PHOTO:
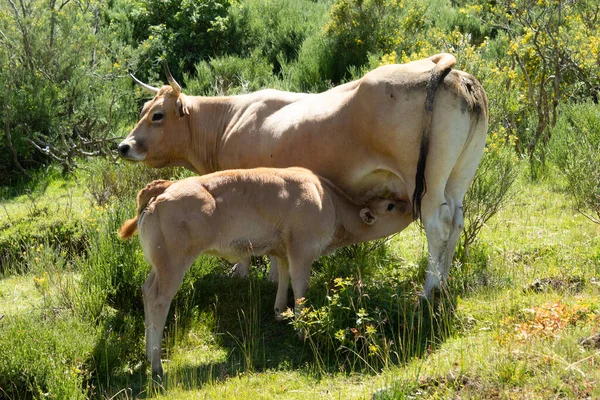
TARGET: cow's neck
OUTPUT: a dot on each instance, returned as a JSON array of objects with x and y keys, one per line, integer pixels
[{"x": 208, "y": 118}]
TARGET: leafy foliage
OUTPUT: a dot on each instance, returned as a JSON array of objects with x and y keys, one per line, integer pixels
[
  {"x": 182, "y": 32},
  {"x": 64, "y": 96},
  {"x": 576, "y": 140}
]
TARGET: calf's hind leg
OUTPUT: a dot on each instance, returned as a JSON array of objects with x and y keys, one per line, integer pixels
[
  {"x": 282, "y": 288},
  {"x": 168, "y": 270}
]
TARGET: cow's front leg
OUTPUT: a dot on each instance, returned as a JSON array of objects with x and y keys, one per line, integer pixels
[
  {"x": 273, "y": 270},
  {"x": 282, "y": 288},
  {"x": 241, "y": 269}
]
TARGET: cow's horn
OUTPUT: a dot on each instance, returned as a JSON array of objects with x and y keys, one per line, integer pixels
[
  {"x": 144, "y": 86},
  {"x": 172, "y": 82}
]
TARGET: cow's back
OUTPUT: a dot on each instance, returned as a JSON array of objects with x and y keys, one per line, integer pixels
[{"x": 365, "y": 135}]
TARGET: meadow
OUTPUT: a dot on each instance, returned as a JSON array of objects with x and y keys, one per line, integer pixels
[
  {"x": 519, "y": 307},
  {"x": 521, "y": 315}
]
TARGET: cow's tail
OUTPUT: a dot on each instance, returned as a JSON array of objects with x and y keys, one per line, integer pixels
[
  {"x": 443, "y": 64},
  {"x": 152, "y": 190}
]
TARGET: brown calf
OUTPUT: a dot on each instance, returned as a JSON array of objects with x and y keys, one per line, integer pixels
[{"x": 290, "y": 214}]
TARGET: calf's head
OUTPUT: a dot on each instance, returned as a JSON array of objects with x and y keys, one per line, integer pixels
[
  {"x": 161, "y": 136},
  {"x": 385, "y": 217}
]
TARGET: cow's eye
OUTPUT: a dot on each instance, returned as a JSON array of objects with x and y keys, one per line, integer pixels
[
  {"x": 391, "y": 206},
  {"x": 157, "y": 116}
]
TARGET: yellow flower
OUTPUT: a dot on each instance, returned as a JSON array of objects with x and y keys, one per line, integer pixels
[{"x": 373, "y": 349}]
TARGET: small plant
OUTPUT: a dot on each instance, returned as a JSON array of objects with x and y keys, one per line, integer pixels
[
  {"x": 490, "y": 188},
  {"x": 575, "y": 144},
  {"x": 367, "y": 326}
]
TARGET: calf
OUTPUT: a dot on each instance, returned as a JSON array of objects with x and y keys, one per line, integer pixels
[{"x": 290, "y": 214}]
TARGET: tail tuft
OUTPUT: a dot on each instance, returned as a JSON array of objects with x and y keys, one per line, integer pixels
[{"x": 128, "y": 228}]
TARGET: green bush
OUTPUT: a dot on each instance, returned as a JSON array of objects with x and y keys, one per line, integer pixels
[
  {"x": 182, "y": 32},
  {"x": 575, "y": 150},
  {"x": 64, "y": 87},
  {"x": 43, "y": 357},
  {"x": 20, "y": 237},
  {"x": 230, "y": 75},
  {"x": 277, "y": 29},
  {"x": 490, "y": 188},
  {"x": 105, "y": 181},
  {"x": 357, "y": 28},
  {"x": 357, "y": 317}
]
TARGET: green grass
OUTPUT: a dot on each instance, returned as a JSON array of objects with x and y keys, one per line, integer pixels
[{"x": 526, "y": 294}]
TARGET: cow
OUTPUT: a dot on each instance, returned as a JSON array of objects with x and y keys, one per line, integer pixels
[
  {"x": 290, "y": 214},
  {"x": 415, "y": 131}
]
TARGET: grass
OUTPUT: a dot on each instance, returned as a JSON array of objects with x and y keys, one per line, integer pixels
[{"x": 526, "y": 295}]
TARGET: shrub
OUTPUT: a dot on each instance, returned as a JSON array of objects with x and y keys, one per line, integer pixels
[
  {"x": 106, "y": 181},
  {"x": 44, "y": 357},
  {"x": 575, "y": 144},
  {"x": 230, "y": 75},
  {"x": 21, "y": 236},
  {"x": 490, "y": 188},
  {"x": 64, "y": 88},
  {"x": 182, "y": 32},
  {"x": 276, "y": 29},
  {"x": 357, "y": 318},
  {"x": 358, "y": 28}
]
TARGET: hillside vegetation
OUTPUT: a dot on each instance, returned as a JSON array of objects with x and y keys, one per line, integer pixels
[{"x": 522, "y": 313}]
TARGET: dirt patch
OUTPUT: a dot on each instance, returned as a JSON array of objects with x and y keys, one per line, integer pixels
[
  {"x": 591, "y": 342},
  {"x": 569, "y": 284}
]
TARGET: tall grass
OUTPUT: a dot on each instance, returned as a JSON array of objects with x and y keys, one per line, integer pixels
[{"x": 82, "y": 333}]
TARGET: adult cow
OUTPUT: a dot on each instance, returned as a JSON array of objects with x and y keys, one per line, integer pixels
[{"x": 414, "y": 130}]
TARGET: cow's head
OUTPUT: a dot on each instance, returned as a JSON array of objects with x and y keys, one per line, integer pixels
[{"x": 161, "y": 136}]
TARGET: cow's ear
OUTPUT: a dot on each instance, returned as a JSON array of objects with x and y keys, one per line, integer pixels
[
  {"x": 367, "y": 216},
  {"x": 182, "y": 108}
]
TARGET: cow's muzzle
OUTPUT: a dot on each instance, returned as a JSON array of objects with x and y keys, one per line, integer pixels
[
  {"x": 127, "y": 150},
  {"x": 123, "y": 149}
]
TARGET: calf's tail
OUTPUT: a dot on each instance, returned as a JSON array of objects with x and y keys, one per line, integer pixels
[
  {"x": 152, "y": 190},
  {"x": 443, "y": 64}
]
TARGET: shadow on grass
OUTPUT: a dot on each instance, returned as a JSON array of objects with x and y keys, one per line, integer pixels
[{"x": 244, "y": 330}]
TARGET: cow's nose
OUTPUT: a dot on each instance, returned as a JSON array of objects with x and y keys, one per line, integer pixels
[{"x": 123, "y": 149}]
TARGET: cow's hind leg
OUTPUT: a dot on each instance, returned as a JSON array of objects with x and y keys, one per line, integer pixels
[
  {"x": 437, "y": 221},
  {"x": 444, "y": 223},
  {"x": 455, "y": 202}
]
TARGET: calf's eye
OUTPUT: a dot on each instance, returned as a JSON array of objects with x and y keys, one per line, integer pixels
[
  {"x": 391, "y": 206},
  {"x": 157, "y": 117}
]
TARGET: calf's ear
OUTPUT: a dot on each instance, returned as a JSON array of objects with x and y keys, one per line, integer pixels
[{"x": 367, "y": 216}]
